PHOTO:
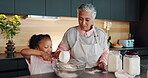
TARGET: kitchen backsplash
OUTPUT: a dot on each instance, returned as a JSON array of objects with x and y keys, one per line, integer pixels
[{"x": 56, "y": 28}]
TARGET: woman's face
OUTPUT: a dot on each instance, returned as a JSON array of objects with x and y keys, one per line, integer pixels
[
  {"x": 45, "y": 45},
  {"x": 85, "y": 20}
]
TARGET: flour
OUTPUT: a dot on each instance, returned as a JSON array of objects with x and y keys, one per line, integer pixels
[
  {"x": 132, "y": 64},
  {"x": 68, "y": 67},
  {"x": 67, "y": 75},
  {"x": 114, "y": 61}
]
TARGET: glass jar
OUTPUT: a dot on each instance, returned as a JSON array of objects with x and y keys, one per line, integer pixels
[
  {"x": 131, "y": 62},
  {"x": 114, "y": 61}
]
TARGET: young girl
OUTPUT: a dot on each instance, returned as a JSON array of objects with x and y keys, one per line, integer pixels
[{"x": 38, "y": 57}]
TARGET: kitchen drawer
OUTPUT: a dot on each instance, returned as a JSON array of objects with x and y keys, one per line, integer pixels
[
  {"x": 143, "y": 52},
  {"x": 8, "y": 74},
  {"x": 22, "y": 64},
  {"x": 23, "y": 72},
  {"x": 8, "y": 65}
]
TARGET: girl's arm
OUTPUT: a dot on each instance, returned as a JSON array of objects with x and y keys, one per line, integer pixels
[{"x": 28, "y": 52}]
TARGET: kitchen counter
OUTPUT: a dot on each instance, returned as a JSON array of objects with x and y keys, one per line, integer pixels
[
  {"x": 143, "y": 51},
  {"x": 13, "y": 66},
  {"x": 18, "y": 67},
  {"x": 3, "y": 56},
  {"x": 83, "y": 75},
  {"x": 143, "y": 74},
  {"x": 130, "y": 48}
]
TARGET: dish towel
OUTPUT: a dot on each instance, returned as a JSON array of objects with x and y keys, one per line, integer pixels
[{"x": 123, "y": 74}]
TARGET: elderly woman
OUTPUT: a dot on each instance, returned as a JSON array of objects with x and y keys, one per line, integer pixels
[{"x": 86, "y": 42}]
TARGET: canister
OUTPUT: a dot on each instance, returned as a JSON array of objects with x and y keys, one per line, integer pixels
[
  {"x": 114, "y": 61},
  {"x": 131, "y": 62}
]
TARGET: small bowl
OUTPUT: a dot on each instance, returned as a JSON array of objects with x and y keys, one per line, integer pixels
[
  {"x": 72, "y": 69},
  {"x": 117, "y": 46}
]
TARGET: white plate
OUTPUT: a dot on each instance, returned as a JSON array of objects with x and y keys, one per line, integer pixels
[{"x": 117, "y": 46}]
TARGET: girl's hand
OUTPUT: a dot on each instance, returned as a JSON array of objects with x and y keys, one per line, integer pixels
[
  {"x": 56, "y": 54},
  {"x": 46, "y": 56}
]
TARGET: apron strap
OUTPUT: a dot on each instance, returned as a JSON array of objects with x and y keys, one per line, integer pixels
[
  {"x": 77, "y": 35},
  {"x": 96, "y": 35}
]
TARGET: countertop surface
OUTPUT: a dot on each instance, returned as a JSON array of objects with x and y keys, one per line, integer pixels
[
  {"x": 143, "y": 66},
  {"x": 130, "y": 48},
  {"x": 3, "y": 56},
  {"x": 143, "y": 73}
]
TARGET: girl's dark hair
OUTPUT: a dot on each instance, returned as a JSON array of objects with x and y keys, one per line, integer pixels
[{"x": 35, "y": 39}]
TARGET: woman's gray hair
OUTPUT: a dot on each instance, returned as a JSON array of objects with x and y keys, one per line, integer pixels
[{"x": 87, "y": 7}]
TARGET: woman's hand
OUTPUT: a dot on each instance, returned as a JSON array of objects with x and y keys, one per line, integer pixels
[
  {"x": 46, "y": 56},
  {"x": 56, "y": 54},
  {"x": 102, "y": 65}
]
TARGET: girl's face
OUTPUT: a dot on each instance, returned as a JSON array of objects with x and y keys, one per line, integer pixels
[
  {"x": 45, "y": 45},
  {"x": 85, "y": 20}
]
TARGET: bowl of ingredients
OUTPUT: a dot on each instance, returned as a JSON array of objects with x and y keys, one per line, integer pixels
[
  {"x": 117, "y": 45},
  {"x": 70, "y": 69}
]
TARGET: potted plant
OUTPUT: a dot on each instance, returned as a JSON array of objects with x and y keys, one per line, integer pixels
[{"x": 9, "y": 28}]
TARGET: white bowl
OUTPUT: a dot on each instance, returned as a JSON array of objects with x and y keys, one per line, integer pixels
[{"x": 71, "y": 69}]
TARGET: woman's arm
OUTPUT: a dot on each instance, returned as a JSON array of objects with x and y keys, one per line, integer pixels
[
  {"x": 102, "y": 63},
  {"x": 63, "y": 46}
]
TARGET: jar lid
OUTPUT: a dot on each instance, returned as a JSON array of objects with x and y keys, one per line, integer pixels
[{"x": 131, "y": 52}]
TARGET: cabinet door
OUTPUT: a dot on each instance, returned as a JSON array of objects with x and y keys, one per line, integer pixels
[
  {"x": 8, "y": 65},
  {"x": 22, "y": 64},
  {"x": 117, "y": 9},
  {"x": 8, "y": 74},
  {"x": 103, "y": 9},
  {"x": 35, "y": 7},
  {"x": 75, "y": 4},
  {"x": 58, "y": 7},
  {"x": 23, "y": 72},
  {"x": 6, "y": 6},
  {"x": 132, "y": 10},
  {"x": 22, "y": 67}
]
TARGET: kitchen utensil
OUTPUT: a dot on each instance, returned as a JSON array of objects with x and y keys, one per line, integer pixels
[{"x": 64, "y": 56}]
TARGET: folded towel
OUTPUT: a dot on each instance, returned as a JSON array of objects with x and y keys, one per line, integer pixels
[{"x": 123, "y": 74}]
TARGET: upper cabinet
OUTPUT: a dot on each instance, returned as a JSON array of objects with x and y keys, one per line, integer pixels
[
  {"x": 75, "y": 4},
  {"x": 58, "y": 8},
  {"x": 7, "y": 6},
  {"x": 117, "y": 10},
  {"x": 123, "y": 10},
  {"x": 35, "y": 7},
  {"x": 132, "y": 10},
  {"x": 103, "y": 9}
]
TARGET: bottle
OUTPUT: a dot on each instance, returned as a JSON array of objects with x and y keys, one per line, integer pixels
[
  {"x": 114, "y": 61},
  {"x": 131, "y": 62}
]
